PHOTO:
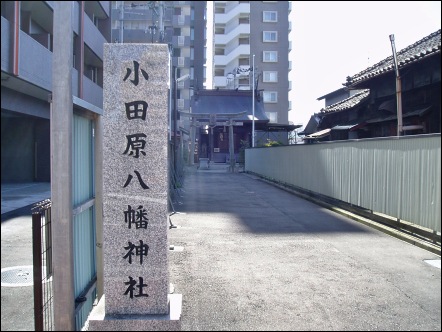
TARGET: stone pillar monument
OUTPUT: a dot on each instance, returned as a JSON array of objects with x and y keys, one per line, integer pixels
[{"x": 135, "y": 192}]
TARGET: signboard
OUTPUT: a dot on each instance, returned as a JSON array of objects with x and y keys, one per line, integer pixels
[{"x": 135, "y": 179}]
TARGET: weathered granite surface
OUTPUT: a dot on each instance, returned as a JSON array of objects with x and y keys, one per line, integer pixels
[
  {"x": 98, "y": 321},
  {"x": 135, "y": 179}
]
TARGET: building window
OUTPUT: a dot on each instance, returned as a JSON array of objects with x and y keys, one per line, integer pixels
[
  {"x": 270, "y": 36},
  {"x": 273, "y": 117},
  {"x": 269, "y": 16},
  {"x": 270, "y": 96},
  {"x": 270, "y": 76},
  {"x": 270, "y": 56}
]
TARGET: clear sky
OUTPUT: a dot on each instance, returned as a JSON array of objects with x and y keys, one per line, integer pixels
[{"x": 335, "y": 39}]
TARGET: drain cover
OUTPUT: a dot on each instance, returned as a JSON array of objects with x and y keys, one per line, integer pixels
[{"x": 17, "y": 276}]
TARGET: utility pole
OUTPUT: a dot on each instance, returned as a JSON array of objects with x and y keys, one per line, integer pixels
[
  {"x": 253, "y": 102},
  {"x": 121, "y": 31},
  {"x": 398, "y": 89},
  {"x": 175, "y": 130},
  {"x": 175, "y": 119},
  {"x": 61, "y": 169}
]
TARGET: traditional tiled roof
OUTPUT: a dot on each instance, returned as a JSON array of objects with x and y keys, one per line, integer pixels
[
  {"x": 224, "y": 103},
  {"x": 347, "y": 103},
  {"x": 415, "y": 52}
]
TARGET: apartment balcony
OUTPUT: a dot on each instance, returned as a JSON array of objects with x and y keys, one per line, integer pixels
[
  {"x": 132, "y": 14},
  {"x": 92, "y": 93},
  {"x": 237, "y": 10},
  {"x": 35, "y": 69},
  {"x": 224, "y": 60},
  {"x": 182, "y": 62},
  {"x": 181, "y": 20},
  {"x": 186, "y": 84},
  {"x": 237, "y": 32},
  {"x": 183, "y": 104},
  {"x": 35, "y": 60},
  {"x": 105, "y": 6},
  {"x": 93, "y": 38},
  {"x": 6, "y": 43},
  {"x": 182, "y": 3},
  {"x": 181, "y": 41}
]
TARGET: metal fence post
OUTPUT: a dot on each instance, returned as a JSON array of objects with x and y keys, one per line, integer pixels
[{"x": 37, "y": 271}]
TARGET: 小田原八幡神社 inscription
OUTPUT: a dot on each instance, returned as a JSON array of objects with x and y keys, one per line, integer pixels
[{"x": 135, "y": 179}]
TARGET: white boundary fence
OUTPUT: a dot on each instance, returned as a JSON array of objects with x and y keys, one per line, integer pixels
[{"x": 396, "y": 176}]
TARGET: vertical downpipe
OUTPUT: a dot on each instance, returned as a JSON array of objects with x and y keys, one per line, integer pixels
[
  {"x": 81, "y": 73},
  {"x": 16, "y": 38}
]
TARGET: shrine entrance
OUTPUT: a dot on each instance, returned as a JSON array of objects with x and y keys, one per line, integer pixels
[{"x": 206, "y": 137}]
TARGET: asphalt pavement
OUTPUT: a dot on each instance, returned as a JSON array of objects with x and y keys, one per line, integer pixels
[
  {"x": 250, "y": 256},
  {"x": 16, "y": 257}
]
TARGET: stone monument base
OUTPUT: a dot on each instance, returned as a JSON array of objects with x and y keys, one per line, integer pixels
[{"x": 99, "y": 321}]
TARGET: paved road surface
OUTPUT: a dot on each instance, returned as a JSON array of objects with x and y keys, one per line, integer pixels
[{"x": 250, "y": 256}]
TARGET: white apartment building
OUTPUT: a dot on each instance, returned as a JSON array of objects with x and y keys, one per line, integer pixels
[{"x": 249, "y": 34}]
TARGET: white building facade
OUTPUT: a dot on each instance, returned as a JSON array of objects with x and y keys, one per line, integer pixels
[{"x": 247, "y": 35}]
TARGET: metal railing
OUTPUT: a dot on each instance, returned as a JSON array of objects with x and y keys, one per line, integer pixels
[{"x": 42, "y": 266}]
